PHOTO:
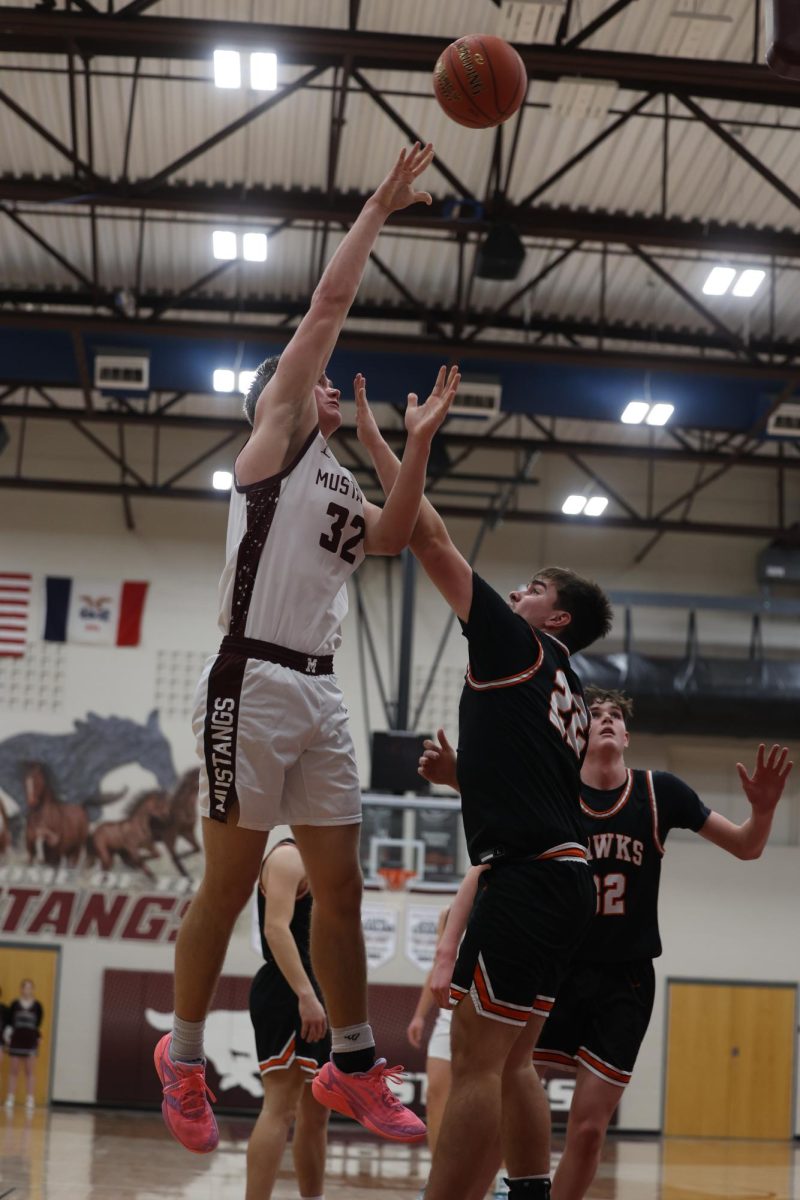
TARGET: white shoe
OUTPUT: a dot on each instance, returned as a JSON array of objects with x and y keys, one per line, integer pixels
[
  {"x": 9, "y": 1102},
  {"x": 30, "y": 1104}
]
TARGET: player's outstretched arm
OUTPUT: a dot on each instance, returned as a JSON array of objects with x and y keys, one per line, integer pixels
[
  {"x": 285, "y": 413},
  {"x": 444, "y": 565},
  {"x": 763, "y": 789},
  {"x": 280, "y": 877},
  {"x": 447, "y": 949},
  {"x": 389, "y": 529}
]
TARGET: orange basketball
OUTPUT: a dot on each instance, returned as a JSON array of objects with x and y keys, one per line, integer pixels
[{"x": 480, "y": 81}]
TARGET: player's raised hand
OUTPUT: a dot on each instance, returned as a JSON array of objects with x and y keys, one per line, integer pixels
[
  {"x": 367, "y": 429},
  {"x": 422, "y": 422},
  {"x": 397, "y": 190},
  {"x": 438, "y": 761},
  {"x": 764, "y": 787}
]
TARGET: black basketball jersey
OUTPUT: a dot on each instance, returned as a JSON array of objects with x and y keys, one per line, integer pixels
[
  {"x": 299, "y": 926},
  {"x": 626, "y": 830},
  {"x": 522, "y": 736}
]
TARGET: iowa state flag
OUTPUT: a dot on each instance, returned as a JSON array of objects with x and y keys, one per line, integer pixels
[{"x": 97, "y": 614}]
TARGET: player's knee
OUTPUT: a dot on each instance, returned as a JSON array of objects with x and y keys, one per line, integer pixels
[
  {"x": 226, "y": 895},
  {"x": 282, "y": 1116},
  {"x": 339, "y": 897},
  {"x": 589, "y": 1134}
]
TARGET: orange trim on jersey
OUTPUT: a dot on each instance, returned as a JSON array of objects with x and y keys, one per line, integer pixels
[
  {"x": 651, "y": 789},
  {"x": 543, "y": 1005},
  {"x": 508, "y": 680},
  {"x": 603, "y": 1069},
  {"x": 308, "y": 1064},
  {"x": 517, "y": 1014},
  {"x": 278, "y": 1060},
  {"x": 565, "y": 850},
  {"x": 621, "y": 801},
  {"x": 555, "y": 1058}
]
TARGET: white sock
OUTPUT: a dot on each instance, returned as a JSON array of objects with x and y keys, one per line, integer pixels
[
  {"x": 312, "y": 1197},
  {"x": 187, "y": 1040},
  {"x": 352, "y": 1037}
]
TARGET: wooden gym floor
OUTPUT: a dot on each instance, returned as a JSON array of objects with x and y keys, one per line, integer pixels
[{"x": 91, "y": 1154}]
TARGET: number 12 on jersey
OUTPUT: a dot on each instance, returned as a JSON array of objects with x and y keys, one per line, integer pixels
[{"x": 610, "y": 895}]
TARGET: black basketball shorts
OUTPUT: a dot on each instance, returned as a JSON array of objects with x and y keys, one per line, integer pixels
[
  {"x": 276, "y": 1021},
  {"x": 599, "y": 1019},
  {"x": 527, "y": 920}
]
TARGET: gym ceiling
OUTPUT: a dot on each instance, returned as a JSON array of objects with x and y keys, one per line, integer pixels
[{"x": 653, "y": 145}]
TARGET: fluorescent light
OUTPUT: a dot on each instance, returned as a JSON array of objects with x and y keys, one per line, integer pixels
[
  {"x": 573, "y": 505},
  {"x": 660, "y": 413},
  {"x": 223, "y": 242},
  {"x": 222, "y": 481},
  {"x": 749, "y": 282},
  {"x": 223, "y": 379},
  {"x": 718, "y": 281},
  {"x": 263, "y": 72},
  {"x": 635, "y": 412},
  {"x": 227, "y": 69},
  {"x": 595, "y": 505},
  {"x": 245, "y": 381},
  {"x": 254, "y": 247}
]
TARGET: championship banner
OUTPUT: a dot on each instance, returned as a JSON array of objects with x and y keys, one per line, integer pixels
[
  {"x": 421, "y": 924},
  {"x": 379, "y": 923}
]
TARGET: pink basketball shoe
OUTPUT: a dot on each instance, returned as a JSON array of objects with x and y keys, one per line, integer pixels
[
  {"x": 367, "y": 1098},
  {"x": 187, "y": 1113}
]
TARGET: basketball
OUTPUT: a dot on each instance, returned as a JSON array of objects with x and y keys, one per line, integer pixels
[{"x": 480, "y": 81}]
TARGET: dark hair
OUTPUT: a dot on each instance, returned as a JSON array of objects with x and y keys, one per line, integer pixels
[
  {"x": 596, "y": 695},
  {"x": 587, "y": 604},
  {"x": 262, "y": 376}
]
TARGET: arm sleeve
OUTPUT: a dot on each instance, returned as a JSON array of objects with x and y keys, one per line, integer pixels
[
  {"x": 679, "y": 806},
  {"x": 500, "y": 643}
]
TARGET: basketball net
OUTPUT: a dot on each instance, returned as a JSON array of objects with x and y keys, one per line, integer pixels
[{"x": 395, "y": 877}]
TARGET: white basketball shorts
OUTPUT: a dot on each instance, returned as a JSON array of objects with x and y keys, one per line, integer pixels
[
  {"x": 439, "y": 1042},
  {"x": 276, "y": 741}
]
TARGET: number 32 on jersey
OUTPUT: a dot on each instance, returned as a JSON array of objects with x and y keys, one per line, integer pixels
[{"x": 568, "y": 714}]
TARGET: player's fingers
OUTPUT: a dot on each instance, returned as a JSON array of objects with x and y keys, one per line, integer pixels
[
  {"x": 412, "y": 400},
  {"x": 440, "y": 377},
  {"x": 443, "y": 742},
  {"x": 786, "y": 772},
  {"x": 421, "y": 198},
  {"x": 745, "y": 778},
  {"x": 423, "y": 158}
]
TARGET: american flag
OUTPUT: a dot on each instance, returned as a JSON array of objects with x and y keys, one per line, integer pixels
[{"x": 15, "y": 600}]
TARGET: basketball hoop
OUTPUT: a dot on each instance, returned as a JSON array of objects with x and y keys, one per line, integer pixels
[{"x": 395, "y": 878}]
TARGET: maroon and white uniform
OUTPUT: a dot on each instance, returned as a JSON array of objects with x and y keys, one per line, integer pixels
[{"x": 270, "y": 722}]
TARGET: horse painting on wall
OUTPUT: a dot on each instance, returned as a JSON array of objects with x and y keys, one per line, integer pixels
[{"x": 53, "y": 798}]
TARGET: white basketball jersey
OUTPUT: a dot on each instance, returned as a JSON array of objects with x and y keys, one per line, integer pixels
[{"x": 293, "y": 540}]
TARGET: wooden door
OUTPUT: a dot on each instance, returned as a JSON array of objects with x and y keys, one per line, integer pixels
[
  {"x": 40, "y": 965},
  {"x": 730, "y": 1060}
]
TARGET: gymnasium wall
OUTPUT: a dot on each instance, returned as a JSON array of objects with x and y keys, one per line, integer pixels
[{"x": 720, "y": 918}]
